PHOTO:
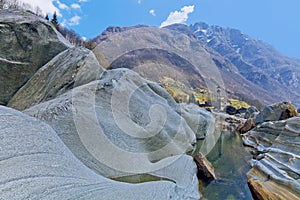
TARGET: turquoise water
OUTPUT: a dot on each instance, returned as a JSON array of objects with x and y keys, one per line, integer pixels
[
  {"x": 230, "y": 161},
  {"x": 139, "y": 178}
]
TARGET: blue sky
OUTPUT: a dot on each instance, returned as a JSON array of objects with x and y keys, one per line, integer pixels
[{"x": 273, "y": 21}]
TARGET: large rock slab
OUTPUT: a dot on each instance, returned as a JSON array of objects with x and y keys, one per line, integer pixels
[
  {"x": 71, "y": 68},
  {"x": 38, "y": 165},
  {"x": 27, "y": 43},
  {"x": 122, "y": 125},
  {"x": 201, "y": 121},
  {"x": 275, "y": 112},
  {"x": 206, "y": 170},
  {"x": 275, "y": 168}
]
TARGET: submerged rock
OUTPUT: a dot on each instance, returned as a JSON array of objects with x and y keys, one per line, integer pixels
[
  {"x": 73, "y": 67},
  {"x": 275, "y": 170},
  {"x": 27, "y": 43},
  {"x": 228, "y": 122},
  {"x": 38, "y": 165}
]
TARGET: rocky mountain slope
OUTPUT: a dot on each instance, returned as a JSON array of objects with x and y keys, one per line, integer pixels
[
  {"x": 251, "y": 70},
  {"x": 257, "y": 61},
  {"x": 178, "y": 61}
]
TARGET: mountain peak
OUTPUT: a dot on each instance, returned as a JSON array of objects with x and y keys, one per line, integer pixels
[{"x": 112, "y": 30}]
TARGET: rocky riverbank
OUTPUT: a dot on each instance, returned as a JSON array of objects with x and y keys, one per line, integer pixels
[{"x": 274, "y": 142}]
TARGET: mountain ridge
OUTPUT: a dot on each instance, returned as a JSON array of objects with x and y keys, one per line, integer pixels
[
  {"x": 257, "y": 61},
  {"x": 258, "y": 80}
]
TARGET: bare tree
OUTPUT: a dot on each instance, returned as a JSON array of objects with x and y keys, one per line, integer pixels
[
  {"x": 15, "y": 4},
  {"x": 71, "y": 36},
  {"x": 26, "y": 6},
  {"x": 38, "y": 11}
]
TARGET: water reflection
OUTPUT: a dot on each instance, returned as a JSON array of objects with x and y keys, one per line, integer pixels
[
  {"x": 229, "y": 159},
  {"x": 139, "y": 178}
]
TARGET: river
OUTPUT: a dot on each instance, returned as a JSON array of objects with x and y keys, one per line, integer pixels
[{"x": 229, "y": 159}]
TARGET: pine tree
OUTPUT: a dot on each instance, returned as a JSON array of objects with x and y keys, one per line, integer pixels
[
  {"x": 54, "y": 20},
  {"x": 47, "y": 17}
]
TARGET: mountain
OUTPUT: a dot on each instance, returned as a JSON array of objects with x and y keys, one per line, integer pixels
[
  {"x": 257, "y": 61},
  {"x": 178, "y": 59},
  {"x": 111, "y": 30}
]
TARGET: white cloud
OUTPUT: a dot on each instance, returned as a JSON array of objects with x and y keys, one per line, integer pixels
[
  {"x": 46, "y": 6},
  {"x": 82, "y": 1},
  {"x": 75, "y": 6},
  {"x": 74, "y": 21},
  {"x": 178, "y": 16},
  {"x": 62, "y": 5},
  {"x": 152, "y": 12}
]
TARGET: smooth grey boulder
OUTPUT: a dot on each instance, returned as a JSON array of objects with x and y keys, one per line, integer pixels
[
  {"x": 251, "y": 112},
  {"x": 275, "y": 169},
  {"x": 122, "y": 125},
  {"x": 199, "y": 119},
  {"x": 38, "y": 165},
  {"x": 275, "y": 112},
  {"x": 27, "y": 43},
  {"x": 71, "y": 68}
]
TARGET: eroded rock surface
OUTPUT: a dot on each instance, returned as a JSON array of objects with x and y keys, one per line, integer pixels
[
  {"x": 275, "y": 112},
  {"x": 275, "y": 168},
  {"x": 134, "y": 114},
  {"x": 205, "y": 168},
  {"x": 27, "y": 43},
  {"x": 73, "y": 67},
  {"x": 122, "y": 125},
  {"x": 199, "y": 120},
  {"x": 38, "y": 165}
]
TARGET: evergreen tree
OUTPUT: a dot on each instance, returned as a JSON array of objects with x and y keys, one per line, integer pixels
[
  {"x": 54, "y": 20},
  {"x": 47, "y": 17}
]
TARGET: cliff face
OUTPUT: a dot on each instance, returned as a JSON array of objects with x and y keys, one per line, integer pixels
[
  {"x": 27, "y": 43},
  {"x": 255, "y": 60}
]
